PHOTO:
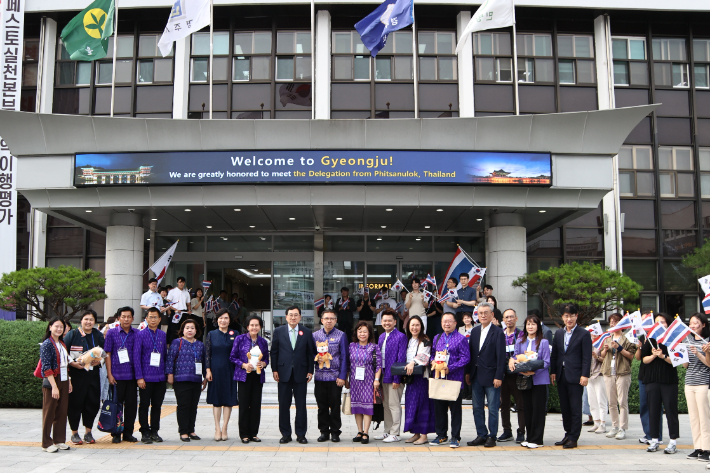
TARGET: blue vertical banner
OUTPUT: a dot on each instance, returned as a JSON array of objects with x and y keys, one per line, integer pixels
[{"x": 391, "y": 15}]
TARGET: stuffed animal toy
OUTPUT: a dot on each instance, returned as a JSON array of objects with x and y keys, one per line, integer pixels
[
  {"x": 323, "y": 357},
  {"x": 527, "y": 356},
  {"x": 439, "y": 365},
  {"x": 255, "y": 357},
  {"x": 86, "y": 358}
]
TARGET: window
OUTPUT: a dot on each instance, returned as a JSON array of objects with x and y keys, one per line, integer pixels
[
  {"x": 394, "y": 61},
  {"x": 199, "y": 63},
  {"x": 30, "y": 63},
  {"x": 351, "y": 59},
  {"x": 670, "y": 68},
  {"x": 701, "y": 54},
  {"x": 252, "y": 56},
  {"x": 437, "y": 61},
  {"x": 636, "y": 171},
  {"x": 630, "y": 66},
  {"x": 532, "y": 67},
  {"x": 488, "y": 49},
  {"x": 704, "y": 158},
  {"x": 676, "y": 176},
  {"x": 152, "y": 67},
  {"x": 576, "y": 71}
]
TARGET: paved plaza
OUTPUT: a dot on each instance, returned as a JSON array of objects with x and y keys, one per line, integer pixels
[{"x": 20, "y": 433}]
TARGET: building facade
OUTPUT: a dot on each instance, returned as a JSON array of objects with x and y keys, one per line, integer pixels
[{"x": 302, "y": 62}]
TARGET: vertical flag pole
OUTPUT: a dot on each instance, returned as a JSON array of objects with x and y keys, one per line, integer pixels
[
  {"x": 113, "y": 68},
  {"x": 313, "y": 60},
  {"x": 515, "y": 69},
  {"x": 415, "y": 60},
  {"x": 211, "y": 50}
]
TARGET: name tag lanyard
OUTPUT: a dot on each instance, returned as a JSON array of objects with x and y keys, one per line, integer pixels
[
  {"x": 155, "y": 354},
  {"x": 122, "y": 351}
]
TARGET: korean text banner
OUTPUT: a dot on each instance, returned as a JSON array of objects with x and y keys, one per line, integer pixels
[{"x": 314, "y": 166}]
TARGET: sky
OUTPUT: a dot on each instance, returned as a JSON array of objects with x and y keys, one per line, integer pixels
[{"x": 517, "y": 164}]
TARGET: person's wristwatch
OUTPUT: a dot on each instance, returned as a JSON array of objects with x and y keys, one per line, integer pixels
[{"x": 377, "y": 379}]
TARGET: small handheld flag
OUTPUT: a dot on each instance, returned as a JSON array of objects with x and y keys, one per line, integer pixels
[
  {"x": 234, "y": 305},
  {"x": 656, "y": 331},
  {"x": 676, "y": 333},
  {"x": 595, "y": 329},
  {"x": 623, "y": 324},
  {"x": 206, "y": 284},
  {"x": 397, "y": 286},
  {"x": 344, "y": 304},
  {"x": 399, "y": 306},
  {"x": 706, "y": 304},
  {"x": 319, "y": 303},
  {"x": 597, "y": 343},
  {"x": 430, "y": 280},
  {"x": 427, "y": 295},
  {"x": 679, "y": 354},
  {"x": 705, "y": 283},
  {"x": 143, "y": 325},
  {"x": 647, "y": 322}
]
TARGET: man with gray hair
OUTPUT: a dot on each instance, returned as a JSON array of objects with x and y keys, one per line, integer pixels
[{"x": 485, "y": 374}]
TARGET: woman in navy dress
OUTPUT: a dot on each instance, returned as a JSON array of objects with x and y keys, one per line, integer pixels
[{"x": 222, "y": 389}]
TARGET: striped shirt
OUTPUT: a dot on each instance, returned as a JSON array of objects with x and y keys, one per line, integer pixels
[{"x": 697, "y": 374}]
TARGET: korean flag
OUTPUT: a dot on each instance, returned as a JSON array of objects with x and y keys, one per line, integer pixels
[{"x": 679, "y": 354}]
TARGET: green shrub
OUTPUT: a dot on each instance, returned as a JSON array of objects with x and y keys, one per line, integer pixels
[{"x": 19, "y": 353}]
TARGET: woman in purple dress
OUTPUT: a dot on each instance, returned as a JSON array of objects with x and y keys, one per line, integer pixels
[
  {"x": 363, "y": 378},
  {"x": 418, "y": 408}
]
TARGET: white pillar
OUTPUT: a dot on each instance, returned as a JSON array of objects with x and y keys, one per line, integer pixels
[
  {"x": 38, "y": 237},
  {"x": 45, "y": 92},
  {"x": 124, "y": 262},
  {"x": 465, "y": 68},
  {"x": 506, "y": 261},
  {"x": 181, "y": 84},
  {"x": 322, "y": 58}
]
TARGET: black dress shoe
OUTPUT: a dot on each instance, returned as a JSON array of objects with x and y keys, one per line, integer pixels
[
  {"x": 563, "y": 441},
  {"x": 245, "y": 440},
  {"x": 302, "y": 440},
  {"x": 285, "y": 439},
  {"x": 185, "y": 439},
  {"x": 490, "y": 442},
  {"x": 335, "y": 437},
  {"x": 324, "y": 438},
  {"x": 156, "y": 437},
  {"x": 194, "y": 437},
  {"x": 145, "y": 438},
  {"x": 116, "y": 439},
  {"x": 477, "y": 441},
  {"x": 570, "y": 444},
  {"x": 588, "y": 423},
  {"x": 255, "y": 439},
  {"x": 129, "y": 438}
]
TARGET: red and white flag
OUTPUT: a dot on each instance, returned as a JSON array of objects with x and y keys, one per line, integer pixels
[{"x": 160, "y": 267}]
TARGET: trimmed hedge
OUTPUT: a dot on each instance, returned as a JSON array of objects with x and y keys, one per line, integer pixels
[
  {"x": 19, "y": 353},
  {"x": 553, "y": 404}
]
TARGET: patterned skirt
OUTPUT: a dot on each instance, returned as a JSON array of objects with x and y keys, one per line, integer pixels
[{"x": 418, "y": 408}]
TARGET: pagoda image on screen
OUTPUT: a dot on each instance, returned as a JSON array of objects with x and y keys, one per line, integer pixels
[
  {"x": 500, "y": 176},
  {"x": 98, "y": 175}
]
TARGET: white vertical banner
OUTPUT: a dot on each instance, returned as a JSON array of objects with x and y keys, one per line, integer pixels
[{"x": 12, "y": 18}]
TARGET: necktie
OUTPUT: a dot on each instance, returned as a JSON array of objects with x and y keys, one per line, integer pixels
[{"x": 293, "y": 338}]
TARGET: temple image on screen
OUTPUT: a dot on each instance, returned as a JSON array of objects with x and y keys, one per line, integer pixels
[
  {"x": 99, "y": 175},
  {"x": 501, "y": 176}
]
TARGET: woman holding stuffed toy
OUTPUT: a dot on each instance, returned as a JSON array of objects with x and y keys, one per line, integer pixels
[
  {"x": 250, "y": 354},
  {"x": 56, "y": 387},
  {"x": 418, "y": 407},
  {"x": 222, "y": 389},
  {"x": 363, "y": 378},
  {"x": 85, "y": 399},
  {"x": 532, "y": 345}
]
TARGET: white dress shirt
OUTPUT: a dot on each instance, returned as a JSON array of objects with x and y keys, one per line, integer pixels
[
  {"x": 181, "y": 299},
  {"x": 484, "y": 333}
]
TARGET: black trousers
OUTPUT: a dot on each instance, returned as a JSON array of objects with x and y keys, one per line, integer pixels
[
  {"x": 441, "y": 413},
  {"x": 85, "y": 398},
  {"x": 153, "y": 395},
  {"x": 328, "y": 399},
  {"x": 535, "y": 413},
  {"x": 570, "y": 395},
  {"x": 249, "y": 393},
  {"x": 187, "y": 395},
  {"x": 126, "y": 394},
  {"x": 663, "y": 396},
  {"x": 509, "y": 388},
  {"x": 288, "y": 391}
]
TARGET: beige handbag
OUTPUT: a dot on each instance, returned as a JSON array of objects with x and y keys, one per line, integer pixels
[
  {"x": 345, "y": 405},
  {"x": 444, "y": 389}
]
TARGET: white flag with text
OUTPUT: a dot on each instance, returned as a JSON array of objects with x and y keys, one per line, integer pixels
[
  {"x": 492, "y": 14},
  {"x": 186, "y": 17}
]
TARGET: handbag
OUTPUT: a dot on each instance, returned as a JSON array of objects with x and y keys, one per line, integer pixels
[
  {"x": 444, "y": 389},
  {"x": 111, "y": 414},
  {"x": 345, "y": 405},
  {"x": 400, "y": 369},
  {"x": 38, "y": 370},
  {"x": 523, "y": 383}
]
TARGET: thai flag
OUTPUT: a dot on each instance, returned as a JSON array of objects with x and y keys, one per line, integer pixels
[
  {"x": 206, "y": 284},
  {"x": 450, "y": 294},
  {"x": 399, "y": 306},
  {"x": 462, "y": 264},
  {"x": 319, "y": 303},
  {"x": 675, "y": 334},
  {"x": 344, "y": 304},
  {"x": 656, "y": 331},
  {"x": 597, "y": 343},
  {"x": 430, "y": 280},
  {"x": 647, "y": 322},
  {"x": 624, "y": 324},
  {"x": 378, "y": 295},
  {"x": 234, "y": 304},
  {"x": 706, "y": 304}
]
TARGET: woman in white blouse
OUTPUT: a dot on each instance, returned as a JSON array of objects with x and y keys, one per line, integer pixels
[
  {"x": 415, "y": 302},
  {"x": 418, "y": 408}
]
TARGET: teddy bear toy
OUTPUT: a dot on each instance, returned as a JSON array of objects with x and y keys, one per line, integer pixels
[
  {"x": 323, "y": 357},
  {"x": 255, "y": 356},
  {"x": 527, "y": 356},
  {"x": 86, "y": 358},
  {"x": 439, "y": 365}
]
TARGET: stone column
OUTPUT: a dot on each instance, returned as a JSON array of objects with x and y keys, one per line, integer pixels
[
  {"x": 506, "y": 261},
  {"x": 465, "y": 68},
  {"x": 124, "y": 262},
  {"x": 322, "y": 59}
]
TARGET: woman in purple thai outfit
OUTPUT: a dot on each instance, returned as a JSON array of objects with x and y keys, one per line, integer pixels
[
  {"x": 363, "y": 378},
  {"x": 418, "y": 408}
]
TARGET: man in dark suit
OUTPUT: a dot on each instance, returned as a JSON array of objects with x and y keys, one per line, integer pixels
[
  {"x": 292, "y": 354},
  {"x": 571, "y": 361},
  {"x": 485, "y": 374}
]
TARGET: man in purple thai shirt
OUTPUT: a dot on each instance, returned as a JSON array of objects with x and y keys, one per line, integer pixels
[
  {"x": 393, "y": 345},
  {"x": 456, "y": 347},
  {"x": 119, "y": 345},
  {"x": 149, "y": 353},
  {"x": 330, "y": 381}
]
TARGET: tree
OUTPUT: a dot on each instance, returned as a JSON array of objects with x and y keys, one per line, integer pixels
[
  {"x": 595, "y": 289},
  {"x": 61, "y": 291},
  {"x": 699, "y": 260}
]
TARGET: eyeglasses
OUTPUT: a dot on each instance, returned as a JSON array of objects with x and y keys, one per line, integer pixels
[{"x": 328, "y": 318}]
